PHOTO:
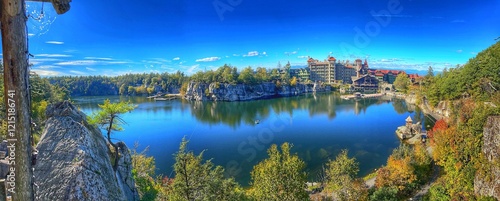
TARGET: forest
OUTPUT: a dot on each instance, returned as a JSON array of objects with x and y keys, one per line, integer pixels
[{"x": 172, "y": 83}]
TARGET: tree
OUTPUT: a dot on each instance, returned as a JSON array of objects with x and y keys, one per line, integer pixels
[
  {"x": 293, "y": 82},
  {"x": 430, "y": 73},
  {"x": 143, "y": 172},
  {"x": 399, "y": 172},
  {"x": 261, "y": 75},
  {"x": 108, "y": 118},
  {"x": 402, "y": 82},
  {"x": 341, "y": 179},
  {"x": 247, "y": 76},
  {"x": 199, "y": 180},
  {"x": 279, "y": 177}
]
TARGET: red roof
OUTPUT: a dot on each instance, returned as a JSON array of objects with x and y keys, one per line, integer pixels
[
  {"x": 332, "y": 59},
  {"x": 310, "y": 60},
  {"x": 379, "y": 74},
  {"x": 414, "y": 76},
  {"x": 395, "y": 72},
  {"x": 384, "y": 71}
]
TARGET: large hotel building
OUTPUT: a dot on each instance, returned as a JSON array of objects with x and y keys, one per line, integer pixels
[{"x": 332, "y": 71}]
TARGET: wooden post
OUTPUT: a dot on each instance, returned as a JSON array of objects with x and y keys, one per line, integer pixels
[{"x": 19, "y": 183}]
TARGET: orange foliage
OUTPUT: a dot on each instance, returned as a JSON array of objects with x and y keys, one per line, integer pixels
[
  {"x": 438, "y": 126},
  {"x": 397, "y": 173}
]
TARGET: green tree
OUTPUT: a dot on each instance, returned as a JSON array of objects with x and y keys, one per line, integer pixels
[
  {"x": 402, "y": 82},
  {"x": 108, "y": 118},
  {"x": 143, "y": 172},
  {"x": 430, "y": 73},
  {"x": 261, "y": 75},
  {"x": 196, "y": 179},
  {"x": 279, "y": 177},
  {"x": 341, "y": 179},
  {"x": 385, "y": 194},
  {"x": 247, "y": 76}
]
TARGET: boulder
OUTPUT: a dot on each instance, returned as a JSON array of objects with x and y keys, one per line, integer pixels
[
  {"x": 489, "y": 184},
  {"x": 73, "y": 160}
]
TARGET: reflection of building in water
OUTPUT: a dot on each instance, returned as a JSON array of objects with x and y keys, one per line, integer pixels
[{"x": 356, "y": 107}]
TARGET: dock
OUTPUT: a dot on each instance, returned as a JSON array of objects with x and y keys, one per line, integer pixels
[
  {"x": 360, "y": 96},
  {"x": 165, "y": 97}
]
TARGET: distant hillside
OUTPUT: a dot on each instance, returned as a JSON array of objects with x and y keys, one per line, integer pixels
[{"x": 478, "y": 78}]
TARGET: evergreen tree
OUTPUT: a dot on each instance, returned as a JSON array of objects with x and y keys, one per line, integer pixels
[
  {"x": 108, "y": 118},
  {"x": 196, "y": 179}
]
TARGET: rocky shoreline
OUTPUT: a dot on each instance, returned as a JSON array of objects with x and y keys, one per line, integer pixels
[{"x": 244, "y": 92}]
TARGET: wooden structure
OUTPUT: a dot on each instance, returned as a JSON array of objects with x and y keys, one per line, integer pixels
[{"x": 19, "y": 183}]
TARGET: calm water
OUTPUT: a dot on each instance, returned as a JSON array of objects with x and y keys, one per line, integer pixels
[{"x": 319, "y": 127}]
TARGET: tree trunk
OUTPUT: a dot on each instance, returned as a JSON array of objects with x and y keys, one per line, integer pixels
[
  {"x": 17, "y": 98},
  {"x": 115, "y": 166}
]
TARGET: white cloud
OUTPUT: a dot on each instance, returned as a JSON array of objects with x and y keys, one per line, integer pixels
[
  {"x": 191, "y": 70},
  {"x": 99, "y": 58},
  {"x": 91, "y": 69},
  {"x": 31, "y": 34},
  {"x": 77, "y": 72},
  {"x": 208, "y": 59},
  {"x": 52, "y": 55},
  {"x": 236, "y": 55},
  {"x": 47, "y": 67},
  {"x": 459, "y": 51},
  {"x": 77, "y": 63},
  {"x": 291, "y": 53},
  {"x": 117, "y": 62},
  {"x": 176, "y": 59},
  {"x": 55, "y": 42},
  {"x": 302, "y": 57},
  {"x": 46, "y": 72},
  {"x": 252, "y": 54},
  {"x": 264, "y": 53}
]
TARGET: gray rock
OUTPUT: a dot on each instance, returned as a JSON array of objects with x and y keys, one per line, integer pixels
[
  {"x": 242, "y": 92},
  {"x": 73, "y": 161},
  {"x": 489, "y": 185}
]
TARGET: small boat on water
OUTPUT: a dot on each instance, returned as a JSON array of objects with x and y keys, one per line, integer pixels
[{"x": 257, "y": 121}]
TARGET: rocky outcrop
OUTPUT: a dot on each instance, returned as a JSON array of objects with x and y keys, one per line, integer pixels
[
  {"x": 488, "y": 184},
  {"x": 242, "y": 92},
  {"x": 73, "y": 161}
]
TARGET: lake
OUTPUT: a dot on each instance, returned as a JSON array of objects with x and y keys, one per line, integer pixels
[{"x": 236, "y": 135}]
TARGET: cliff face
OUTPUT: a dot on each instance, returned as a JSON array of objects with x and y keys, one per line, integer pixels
[
  {"x": 73, "y": 161},
  {"x": 489, "y": 184},
  {"x": 243, "y": 92}
]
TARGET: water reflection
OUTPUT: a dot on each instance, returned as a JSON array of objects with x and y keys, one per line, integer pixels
[{"x": 247, "y": 112}]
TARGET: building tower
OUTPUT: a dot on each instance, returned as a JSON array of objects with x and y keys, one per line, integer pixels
[{"x": 358, "y": 67}]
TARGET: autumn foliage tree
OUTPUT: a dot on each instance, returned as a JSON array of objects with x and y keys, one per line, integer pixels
[{"x": 341, "y": 181}]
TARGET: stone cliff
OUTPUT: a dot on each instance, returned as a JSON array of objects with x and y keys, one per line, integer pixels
[
  {"x": 243, "y": 92},
  {"x": 488, "y": 184},
  {"x": 73, "y": 161}
]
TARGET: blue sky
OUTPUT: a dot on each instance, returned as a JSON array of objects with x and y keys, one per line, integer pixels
[{"x": 117, "y": 37}]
